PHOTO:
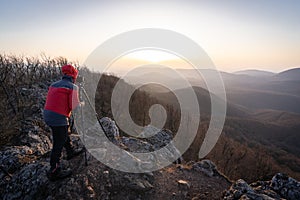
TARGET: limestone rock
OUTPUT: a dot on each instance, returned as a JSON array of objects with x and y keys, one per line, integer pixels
[
  {"x": 161, "y": 138},
  {"x": 280, "y": 187},
  {"x": 158, "y": 138},
  {"x": 137, "y": 145},
  {"x": 29, "y": 183},
  {"x": 13, "y": 158},
  {"x": 285, "y": 186},
  {"x": 207, "y": 167},
  {"x": 110, "y": 128}
]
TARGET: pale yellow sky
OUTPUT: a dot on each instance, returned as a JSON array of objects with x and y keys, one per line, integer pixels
[
  {"x": 236, "y": 35},
  {"x": 147, "y": 57}
]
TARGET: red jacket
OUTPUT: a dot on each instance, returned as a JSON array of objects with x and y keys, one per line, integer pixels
[{"x": 62, "y": 98}]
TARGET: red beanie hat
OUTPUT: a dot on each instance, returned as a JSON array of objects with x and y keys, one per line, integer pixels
[{"x": 70, "y": 71}]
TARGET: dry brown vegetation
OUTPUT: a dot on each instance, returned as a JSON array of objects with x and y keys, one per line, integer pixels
[
  {"x": 19, "y": 76},
  {"x": 139, "y": 105}
]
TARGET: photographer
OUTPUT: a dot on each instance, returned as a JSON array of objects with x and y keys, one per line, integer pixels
[{"x": 62, "y": 98}]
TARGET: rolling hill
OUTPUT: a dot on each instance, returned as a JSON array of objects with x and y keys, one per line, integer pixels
[
  {"x": 291, "y": 74},
  {"x": 252, "y": 89},
  {"x": 268, "y": 134},
  {"x": 255, "y": 73}
]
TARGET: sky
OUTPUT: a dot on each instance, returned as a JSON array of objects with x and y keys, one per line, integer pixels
[{"x": 236, "y": 34}]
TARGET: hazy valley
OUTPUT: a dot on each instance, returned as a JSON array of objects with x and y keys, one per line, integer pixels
[{"x": 263, "y": 118}]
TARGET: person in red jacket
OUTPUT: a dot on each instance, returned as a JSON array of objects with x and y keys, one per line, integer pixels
[{"x": 62, "y": 98}]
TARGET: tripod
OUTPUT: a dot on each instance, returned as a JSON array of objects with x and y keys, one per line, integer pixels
[{"x": 82, "y": 94}]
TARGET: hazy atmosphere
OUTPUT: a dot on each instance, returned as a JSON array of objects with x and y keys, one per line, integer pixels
[
  {"x": 236, "y": 35},
  {"x": 143, "y": 100}
]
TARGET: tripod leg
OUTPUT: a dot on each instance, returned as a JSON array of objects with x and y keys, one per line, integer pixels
[
  {"x": 85, "y": 157},
  {"x": 94, "y": 110},
  {"x": 81, "y": 90}
]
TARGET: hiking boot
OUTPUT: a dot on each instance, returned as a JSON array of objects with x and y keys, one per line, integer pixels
[
  {"x": 58, "y": 174},
  {"x": 74, "y": 153}
]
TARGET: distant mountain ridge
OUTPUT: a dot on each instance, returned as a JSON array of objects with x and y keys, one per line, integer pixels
[
  {"x": 255, "y": 72},
  {"x": 255, "y": 89},
  {"x": 290, "y": 74}
]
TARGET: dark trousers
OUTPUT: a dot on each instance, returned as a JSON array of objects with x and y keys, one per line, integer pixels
[{"x": 60, "y": 139}]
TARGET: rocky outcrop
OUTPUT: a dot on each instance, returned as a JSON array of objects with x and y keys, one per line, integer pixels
[
  {"x": 159, "y": 138},
  {"x": 23, "y": 174},
  {"x": 110, "y": 128},
  {"x": 280, "y": 187},
  {"x": 24, "y": 167},
  {"x": 36, "y": 136},
  {"x": 150, "y": 140},
  {"x": 94, "y": 181},
  {"x": 207, "y": 167}
]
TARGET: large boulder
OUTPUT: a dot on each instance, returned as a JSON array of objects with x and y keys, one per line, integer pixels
[
  {"x": 207, "y": 167},
  {"x": 162, "y": 138},
  {"x": 110, "y": 129},
  {"x": 150, "y": 140},
  {"x": 157, "y": 137}
]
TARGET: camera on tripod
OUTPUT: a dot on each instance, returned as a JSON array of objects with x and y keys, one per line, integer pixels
[{"x": 80, "y": 79}]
